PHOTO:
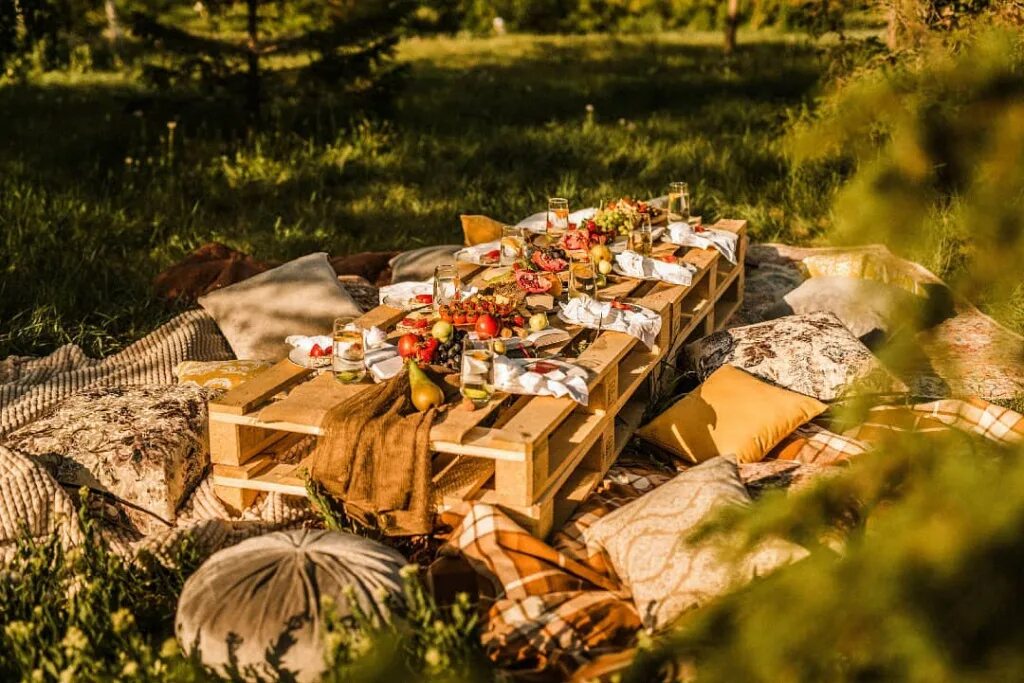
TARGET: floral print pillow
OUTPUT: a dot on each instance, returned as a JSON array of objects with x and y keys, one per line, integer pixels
[{"x": 813, "y": 354}]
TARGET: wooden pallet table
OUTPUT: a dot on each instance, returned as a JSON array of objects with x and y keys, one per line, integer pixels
[{"x": 536, "y": 457}]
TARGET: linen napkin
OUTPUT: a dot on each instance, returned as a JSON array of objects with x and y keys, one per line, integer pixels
[
  {"x": 686, "y": 235},
  {"x": 514, "y": 376},
  {"x": 633, "y": 264},
  {"x": 538, "y": 222},
  {"x": 381, "y": 358},
  {"x": 475, "y": 253},
  {"x": 642, "y": 323}
]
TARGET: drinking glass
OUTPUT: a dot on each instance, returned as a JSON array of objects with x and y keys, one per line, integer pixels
[
  {"x": 678, "y": 202},
  {"x": 640, "y": 237},
  {"x": 558, "y": 215},
  {"x": 446, "y": 285},
  {"x": 477, "y": 375},
  {"x": 582, "y": 280},
  {"x": 348, "y": 364},
  {"x": 513, "y": 243}
]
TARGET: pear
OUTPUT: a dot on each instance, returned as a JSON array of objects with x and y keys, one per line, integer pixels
[{"x": 424, "y": 393}]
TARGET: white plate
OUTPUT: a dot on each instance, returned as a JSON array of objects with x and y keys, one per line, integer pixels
[{"x": 301, "y": 358}]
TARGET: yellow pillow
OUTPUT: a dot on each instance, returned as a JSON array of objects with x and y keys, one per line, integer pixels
[
  {"x": 218, "y": 374},
  {"x": 480, "y": 229},
  {"x": 732, "y": 413}
]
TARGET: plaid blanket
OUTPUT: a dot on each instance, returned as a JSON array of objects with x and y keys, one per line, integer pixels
[{"x": 557, "y": 611}]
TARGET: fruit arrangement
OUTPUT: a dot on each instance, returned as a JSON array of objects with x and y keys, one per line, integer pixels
[
  {"x": 476, "y": 308},
  {"x": 441, "y": 346},
  {"x": 546, "y": 259},
  {"x": 575, "y": 240},
  {"x": 617, "y": 217}
]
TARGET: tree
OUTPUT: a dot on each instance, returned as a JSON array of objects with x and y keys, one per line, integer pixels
[{"x": 246, "y": 45}]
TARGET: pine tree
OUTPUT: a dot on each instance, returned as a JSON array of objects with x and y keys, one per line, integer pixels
[{"x": 252, "y": 45}]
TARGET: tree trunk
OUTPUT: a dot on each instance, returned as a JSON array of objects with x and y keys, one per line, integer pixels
[
  {"x": 254, "y": 95},
  {"x": 732, "y": 21},
  {"x": 113, "y": 32}
]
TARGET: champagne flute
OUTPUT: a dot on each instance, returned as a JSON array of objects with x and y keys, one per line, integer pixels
[{"x": 349, "y": 361}]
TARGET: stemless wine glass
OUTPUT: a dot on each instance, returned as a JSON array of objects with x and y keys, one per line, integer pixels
[
  {"x": 558, "y": 215},
  {"x": 477, "y": 375},
  {"x": 640, "y": 237},
  {"x": 582, "y": 278},
  {"x": 446, "y": 285},
  {"x": 678, "y": 202},
  {"x": 348, "y": 365},
  {"x": 513, "y": 242}
]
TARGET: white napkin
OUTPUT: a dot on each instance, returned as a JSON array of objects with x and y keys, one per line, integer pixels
[
  {"x": 513, "y": 376},
  {"x": 475, "y": 253},
  {"x": 399, "y": 294},
  {"x": 644, "y": 324},
  {"x": 684, "y": 235},
  {"x": 637, "y": 265},
  {"x": 538, "y": 222}
]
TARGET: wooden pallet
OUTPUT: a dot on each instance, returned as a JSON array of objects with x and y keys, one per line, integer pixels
[{"x": 536, "y": 457}]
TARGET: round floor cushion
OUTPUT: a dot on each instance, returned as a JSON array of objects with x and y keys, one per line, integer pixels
[{"x": 253, "y": 610}]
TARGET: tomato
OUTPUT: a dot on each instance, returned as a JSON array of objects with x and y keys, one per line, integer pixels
[
  {"x": 519, "y": 321},
  {"x": 487, "y": 326},
  {"x": 408, "y": 345},
  {"x": 471, "y": 318},
  {"x": 422, "y": 323},
  {"x": 459, "y": 318},
  {"x": 424, "y": 299}
]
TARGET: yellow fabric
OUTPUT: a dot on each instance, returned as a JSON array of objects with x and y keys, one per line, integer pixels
[
  {"x": 218, "y": 374},
  {"x": 480, "y": 229},
  {"x": 866, "y": 266},
  {"x": 732, "y": 413}
]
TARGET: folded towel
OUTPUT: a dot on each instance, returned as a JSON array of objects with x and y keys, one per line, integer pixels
[
  {"x": 633, "y": 264},
  {"x": 686, "y": 235},
  {"x": 515, "y": 376},
  {"x": 639, "y": 322}
]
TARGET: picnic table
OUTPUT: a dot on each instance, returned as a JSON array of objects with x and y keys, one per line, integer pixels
[{"x": 537, "y": 457}]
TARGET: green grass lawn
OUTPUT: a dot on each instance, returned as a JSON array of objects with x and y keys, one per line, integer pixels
[{"x": 98, "y": 194}]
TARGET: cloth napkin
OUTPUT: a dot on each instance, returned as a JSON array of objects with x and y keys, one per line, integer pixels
[
  {"x": 637, "y": 265},
  {"x": 476, "y": 252},
  {"x": 643, "y": 323},
  {"x": 686, "y": 235},
  {"x": 381, "y": 358},
  {"x": 538, "y": 222},
  {"x": 513, "y": 376}
]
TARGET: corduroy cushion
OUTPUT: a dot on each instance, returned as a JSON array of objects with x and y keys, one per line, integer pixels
[
  {"x": 256, "y": 606},
  {"x": 218, "y": 374},
  {"x": 731, "y": 413},
  {"x": 647, "y": 542},
  {"x": 300, "y": 297}
]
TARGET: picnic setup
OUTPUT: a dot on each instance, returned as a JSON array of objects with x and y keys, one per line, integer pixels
[{"x": 549, "y": 407}]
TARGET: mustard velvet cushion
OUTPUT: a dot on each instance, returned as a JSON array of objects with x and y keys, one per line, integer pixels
[
  {"x": 733, "y": 412},
  {"x": 218, "y": 374}
]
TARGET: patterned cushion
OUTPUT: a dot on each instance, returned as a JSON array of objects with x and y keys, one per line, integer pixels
[
  {"x": 218, "y": 374},
  {"x": 257, "y": 605},
  {"x": 145, "y": 445},
  {"x": 646, "y": 542},
  {"x": 813, "y": 354},
  {"x": 732, "y": 413}
]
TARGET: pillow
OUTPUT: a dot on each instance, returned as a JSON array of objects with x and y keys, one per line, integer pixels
[
  {"x": 813, "y": 354},
  {"x": 260, "y": 600},
  {"x": 480, "y": 229},
  {"x": 884, "y": 268},
  {"x": 300, "y": 297},
  {"x": 218, "y": 374},
  {"x": 146, "y": 445},
  {"x": 731, "y": 413},
  {"x": 418, "y": 264},
  {"x": 647, "y": 544},
  {"x": 865, "y": 307}
]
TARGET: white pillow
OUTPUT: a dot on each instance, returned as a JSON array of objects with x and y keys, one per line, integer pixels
[
  {"x": 300, "y": 297},
  {"x": 646, "y": 543}
]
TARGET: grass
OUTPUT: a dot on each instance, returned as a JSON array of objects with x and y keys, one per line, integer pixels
[{"x": 98, "y": 193}]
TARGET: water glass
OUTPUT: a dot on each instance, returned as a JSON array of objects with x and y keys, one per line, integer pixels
[
  {"x": 446, "y": 285},
  {"x": 678, "y": 202},
  {"x": 558, "y": 215},
  {"x": 348, "y": 363},
  {"x": 513, "y": 244},
  {"x": 640, "y": 237},
  {"x": 477, "y": 374},
  {"x": 582, "y": 278}
]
